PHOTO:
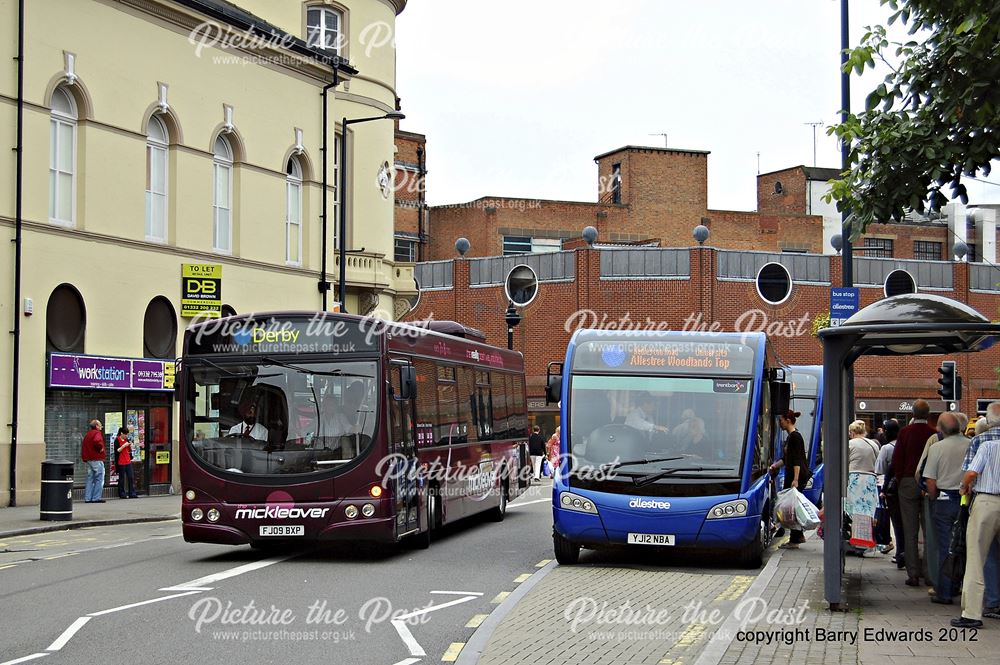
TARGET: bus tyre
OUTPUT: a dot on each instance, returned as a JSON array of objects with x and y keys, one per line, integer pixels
[
  {"x": 422, "y": 540},
  {"x": 752, "y": 555},
  {"x": 498, "y": 513},
  {"x": 567, "y": 552}
]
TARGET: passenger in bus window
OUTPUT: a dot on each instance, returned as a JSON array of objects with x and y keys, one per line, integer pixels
[
  {"x": 640, "y": 417},
  {"x": 343, "y": 419},
  {"x": 249, "y": 428}
]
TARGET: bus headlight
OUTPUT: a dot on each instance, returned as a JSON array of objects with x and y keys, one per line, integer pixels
[
  {"x": 351, "y": 512},
  {"x": 577, "y": 503},
  {"x": 368, "y": 510},
  {"x": 189, "y": 495},
  {"x": 197, "y": 514},
  {"x": 736, "y": 508},
  {"x": 213, "y": 515}
]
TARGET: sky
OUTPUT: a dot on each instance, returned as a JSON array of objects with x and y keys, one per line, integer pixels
[{"x": 516, "y": 98}]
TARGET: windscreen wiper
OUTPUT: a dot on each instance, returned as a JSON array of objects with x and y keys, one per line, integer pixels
[
  {"x": 307, "y": 370},
  {"x": 646, "y": 460},
  {"x": 653, "y": 477}
]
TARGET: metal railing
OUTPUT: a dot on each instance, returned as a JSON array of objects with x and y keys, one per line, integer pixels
[
  {"x": 744, "y": 265},
  {"x": 646, "y": 263}
]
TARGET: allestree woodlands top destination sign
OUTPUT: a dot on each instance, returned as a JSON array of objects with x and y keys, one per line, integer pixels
[{"x": 667, "y": 356}]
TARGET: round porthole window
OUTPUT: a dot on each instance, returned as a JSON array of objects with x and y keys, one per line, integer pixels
[
  {"x": 774, "y": 283},
  {"x": 65, "y": 320},
  {"x": 159, "y": 337},
  {"x": 899, "y": 282}
]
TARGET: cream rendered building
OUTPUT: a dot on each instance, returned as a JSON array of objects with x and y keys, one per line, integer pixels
[{"x": 150, "y": 142}]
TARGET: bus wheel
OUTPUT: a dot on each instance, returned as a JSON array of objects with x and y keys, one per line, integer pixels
[
  {"x": 498, "y": 513},
  {"x": 423, "y": 539},
  {"x": 752, "y": 555},
  {"x": 567, "y": 552}
]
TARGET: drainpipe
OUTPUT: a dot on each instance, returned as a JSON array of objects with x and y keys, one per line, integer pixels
[
  {"x": 19, "y": 150},
  {"x": 324, "y": 285},
  {"x": 421, "y": 205}
]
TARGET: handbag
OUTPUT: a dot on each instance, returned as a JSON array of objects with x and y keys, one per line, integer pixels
[
  {"x": 881, "y": 532},
  {"x": 891, "y": 486}
]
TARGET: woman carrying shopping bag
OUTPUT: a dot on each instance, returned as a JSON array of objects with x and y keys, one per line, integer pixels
[{"x": 797, "y": 472}]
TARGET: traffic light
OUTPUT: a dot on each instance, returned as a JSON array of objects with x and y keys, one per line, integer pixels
[{"x": 951, "y": 385}]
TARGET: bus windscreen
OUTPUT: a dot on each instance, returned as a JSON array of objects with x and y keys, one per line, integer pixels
[
  {"x": 697, "y": 425},
  {"x": 273, "y": 418}
]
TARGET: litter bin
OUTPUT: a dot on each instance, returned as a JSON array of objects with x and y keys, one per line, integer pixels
[{"x": 57, "y": 490}]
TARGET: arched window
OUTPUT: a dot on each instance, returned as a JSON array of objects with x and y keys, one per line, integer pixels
[
  {"x": 228, "y": 310},
  {"x": 65, "y": 320},
  {"x": 293, "y": 212},
  {"x": 156, "y": 180},
  {"x": 62, "y": 158},
  {"x": 222, "y": 212},
  {"x": 159, "y": 329},
  {"x": 324, "y": 26}
]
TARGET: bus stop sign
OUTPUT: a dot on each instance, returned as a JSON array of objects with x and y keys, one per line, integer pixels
[{"x": 844, "y": 302}]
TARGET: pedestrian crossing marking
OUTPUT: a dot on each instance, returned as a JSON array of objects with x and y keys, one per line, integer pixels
[
  {"x": 500, "y": 597},
  {"x": 476, "y": 621},
  {"x": 737, "y": 588},
  {"x": 522, "y": 578},
  {"x": 543, "y": 563},
  {"x": 451, "y": 655}
]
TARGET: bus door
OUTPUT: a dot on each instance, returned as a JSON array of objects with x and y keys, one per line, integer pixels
[{"x": 403, "y": 448}]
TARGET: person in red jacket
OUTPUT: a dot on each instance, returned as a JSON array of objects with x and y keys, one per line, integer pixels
[
  {"x": 92, "y": 452},
  {"x": 126, "y": 478},
  {"x": 905, "y": 458}
]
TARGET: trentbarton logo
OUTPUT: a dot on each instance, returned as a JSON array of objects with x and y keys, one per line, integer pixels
[
  {"x": 279, "y": 512},
  {"x": 649, "y": 503}
]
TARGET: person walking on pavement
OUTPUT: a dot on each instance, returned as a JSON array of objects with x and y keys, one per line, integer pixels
[
  {"x": 92, "y": 453},
  {"x": 983, "y": 476},
  {"x": 943, "y": 472},
  {"x": 883, "y": 470},
  {"x": 126, "y": 478},
  {"x": 797, "y": 472},
  {"x": 988, "y": 427},
  {"x": 536, "y": 448},
  {"x": 909, "y": 446}
]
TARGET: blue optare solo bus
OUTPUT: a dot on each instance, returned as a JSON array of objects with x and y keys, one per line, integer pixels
[
  {"x": 666, "y": 440},
  {"x": 807, "y": 399}
]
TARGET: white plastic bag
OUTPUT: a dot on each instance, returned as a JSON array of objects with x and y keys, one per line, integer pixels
[{"x": 794, "y": 511}]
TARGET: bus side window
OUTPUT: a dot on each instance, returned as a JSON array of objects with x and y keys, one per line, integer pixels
[
  {"x": 765, "y": 433},
  {"x": 520, "y": 416},
  {"x": 501, "y": 383},
  {"x": 468, "y": 415},
  {"x": 447, "y": 396}
]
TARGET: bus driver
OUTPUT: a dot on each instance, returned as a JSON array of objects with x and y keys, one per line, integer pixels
[
  {"x": 249, "y": 428},
  {"x": 639, "y": 417}
]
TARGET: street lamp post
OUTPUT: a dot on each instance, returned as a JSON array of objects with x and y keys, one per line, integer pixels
[{"x": 342, "y": 232}]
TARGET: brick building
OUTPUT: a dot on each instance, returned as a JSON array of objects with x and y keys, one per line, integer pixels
[{"x": 694, "y": 288}]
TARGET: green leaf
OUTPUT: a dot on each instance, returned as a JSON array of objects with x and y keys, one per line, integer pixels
[{"x": 966, "y": 26}]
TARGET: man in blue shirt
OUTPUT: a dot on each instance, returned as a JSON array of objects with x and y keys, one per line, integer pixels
[{"x": 982, "y": 474}]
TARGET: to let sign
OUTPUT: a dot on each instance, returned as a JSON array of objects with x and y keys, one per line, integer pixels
[
  {"x": 844, "y": 303},
  {"x": 201, "y": 290}
]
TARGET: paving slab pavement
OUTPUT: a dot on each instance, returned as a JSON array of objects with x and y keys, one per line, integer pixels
[{"x": 24, "y": 520}]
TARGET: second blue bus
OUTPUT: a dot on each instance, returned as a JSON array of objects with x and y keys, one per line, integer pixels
[{"x": 667, "y": 438}]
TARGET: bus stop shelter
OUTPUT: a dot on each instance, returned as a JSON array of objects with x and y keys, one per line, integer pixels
[{"x": 903, "y": 325}]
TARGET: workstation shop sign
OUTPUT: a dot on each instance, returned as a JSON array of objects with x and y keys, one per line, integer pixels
[
  {"x": 72, "y": 370},
  {"x": 201, "y": 290}
]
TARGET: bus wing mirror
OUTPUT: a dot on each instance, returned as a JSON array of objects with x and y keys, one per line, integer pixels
[
  {"x": 553, "y": 383},
  {"x": 781, "y": 396},
  {"x": 407, "y": 382}
]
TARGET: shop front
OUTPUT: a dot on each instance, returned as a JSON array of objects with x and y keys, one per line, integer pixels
[
  {"x": 876, "y": 411},
  {"x": 136, "y": 393},
  {"x": 546, "y": 416}
]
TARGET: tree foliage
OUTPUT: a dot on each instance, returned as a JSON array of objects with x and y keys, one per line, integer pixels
[{"x": 934, "y": 119}]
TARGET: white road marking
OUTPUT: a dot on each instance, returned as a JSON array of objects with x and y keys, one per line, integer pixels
[
  {"x": 434, "y": 608},
  {"x": 68, "y": 634},
  {"x": 24, "y": 660},
  {"x": 408, "y": 639},
  {"x": 145, "y": 602},
  {"x": 459, "y": 593},
  {"x": 408, "y": 661},
  {"x": 202, "y": 582},
  {"x": 404, "y": 632},
  {"x": 528, "y": 503}
]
